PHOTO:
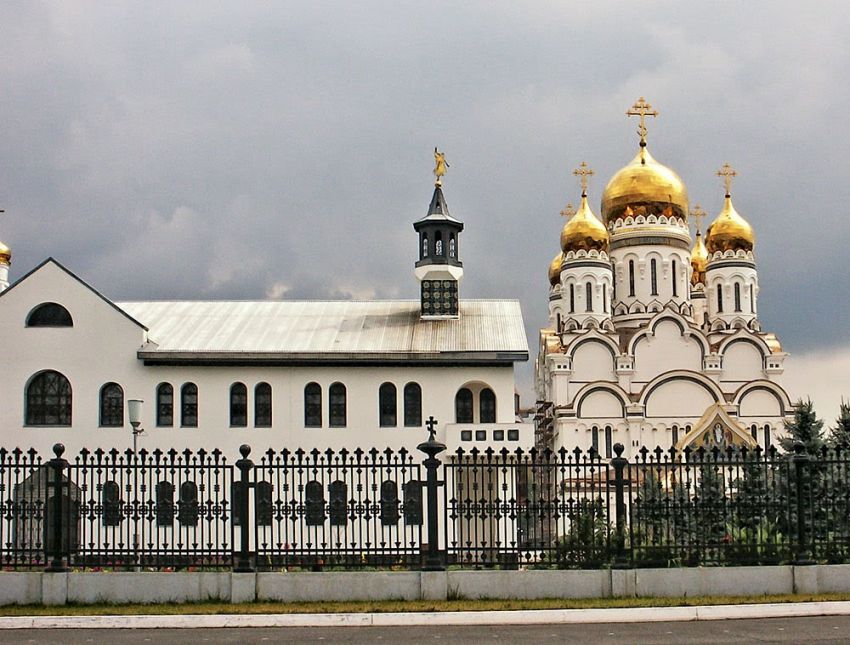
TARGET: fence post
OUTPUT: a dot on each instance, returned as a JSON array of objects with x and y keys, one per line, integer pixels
[
  {"x": 801, "y": 462},
  {"x": 241, "y": 509},
  {"x": 56, "y": 468},
  {"x": 619, "y": 464},
  {"x": 434, "y": 560}
]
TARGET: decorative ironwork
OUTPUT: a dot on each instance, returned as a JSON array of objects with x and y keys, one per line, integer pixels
[{"x": 349, "y": 509}]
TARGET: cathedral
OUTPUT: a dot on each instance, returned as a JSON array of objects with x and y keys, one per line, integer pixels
[{"x": 654, "y": 338}]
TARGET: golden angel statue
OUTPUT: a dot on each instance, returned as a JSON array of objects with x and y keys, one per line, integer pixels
[{"x": 440, "y": 165}]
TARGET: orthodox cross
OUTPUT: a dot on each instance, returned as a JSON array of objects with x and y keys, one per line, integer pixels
[
  {"x": 642, "y": 109},
  {"x": 583, "y": 172},
  {"x": 697, "y": 214},
  {"x": 440, "y": 166},
  {"x": 727, "y": 172},
  {"x": 431, "y": 425},
  {"x": 568, "y": 211}
]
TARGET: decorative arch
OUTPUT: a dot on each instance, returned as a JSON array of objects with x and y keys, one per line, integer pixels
[
  {"x": 612, "y": 388},
  {"x": 594, "y": 336},
  {"x": 686, "y": 375},
  {"x": 743, "y": 336},
  {"x": 684, "y": 328},
  {"x": 785, "y": 404}
]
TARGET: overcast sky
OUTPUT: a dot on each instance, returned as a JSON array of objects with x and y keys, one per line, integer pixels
[{"x": 251, "y": 150}]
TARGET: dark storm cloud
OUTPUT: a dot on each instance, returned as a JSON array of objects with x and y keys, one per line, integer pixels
[{"x": 247, "y": 150}]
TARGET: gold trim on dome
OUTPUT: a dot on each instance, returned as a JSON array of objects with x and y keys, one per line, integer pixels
[
  {"x": 584, "y": 231},
  {"x": 555, "y": 269},
  {"x": 729, "y": 231},
  {"x": 5, "y": 254},
  {"x": 644, "y": 187}
]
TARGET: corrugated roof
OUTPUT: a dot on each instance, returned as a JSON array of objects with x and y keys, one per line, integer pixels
[{"x": 314, "y": 328}]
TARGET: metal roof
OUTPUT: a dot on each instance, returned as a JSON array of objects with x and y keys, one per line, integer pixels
[{"x": 489, "y": 331}]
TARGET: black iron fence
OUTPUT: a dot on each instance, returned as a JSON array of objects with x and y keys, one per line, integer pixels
[{"x": 352, "y": 509}]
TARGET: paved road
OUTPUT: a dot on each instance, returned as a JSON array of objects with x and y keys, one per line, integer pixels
[{"x": 774, "y": 630}]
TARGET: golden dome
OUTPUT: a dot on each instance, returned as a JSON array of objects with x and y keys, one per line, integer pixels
[
  {"x": 555, "y": 269},
  {"x": 5, "y": 254},
  {"x": 584, "y": 231},
  {"x": 646, "y": 187},
  {"x": 730, "y": 231},
  {"x": 699, "y": 260}
]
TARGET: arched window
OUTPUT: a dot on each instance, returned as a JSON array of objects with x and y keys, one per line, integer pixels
[
  {"x": 720, "y": 298},
  {"x": 605, "y": 298},
  {"x": 263, "y": 405},
  {"x": 337, "y": 412},
  {"x": 48, "y": 400},
  {"x": 754, "y": 431},
  {"x": 412, "y": 405},
  {"x": 588, "y": 294},
  {"x": 572, "y": 298},
  {"x": 313, "y": 405},
  {"x": 631, "y": 277},
  {"x": 653, "y": 274},
  {"x": 387, "y": 406},
  {"x": 675, "y": 283},
  {"x": 609, "y": 442},
  {"x": 164, "y": 492},
  {"x": 463, "y": 405},
  {"x": 438, "y": 243},
  {"x": 487, "y": 406},
  {"x": 452, "y": 246},
  {"x": 594, "y": 440},
  {"x": 238, "y": 405},
  {"x": 111, "y": 502},
  {"x": 111, "y": 406},
  {"x": 189, "y": 405},
  {"x": 424, "y": 245},
  {"x": 164, "y": 405},
  {"x": 766, "y": 436},
  {"x": 187, "y": 505},
  {"x": 752, "y": 300},
  {"x": 558, "y": 323},
  {"x": 675, "y": 436},
  {"x": 49, "y": 314},
  {"x": 737, "y": 296}
]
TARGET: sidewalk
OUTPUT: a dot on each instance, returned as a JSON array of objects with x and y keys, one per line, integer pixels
[{"x": 525, "y": 617}]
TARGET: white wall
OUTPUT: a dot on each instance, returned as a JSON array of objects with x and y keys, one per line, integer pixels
[{"x": 102, "y": 346}]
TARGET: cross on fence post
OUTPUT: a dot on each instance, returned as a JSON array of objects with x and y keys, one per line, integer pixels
[{"x": 434, "y": 560}]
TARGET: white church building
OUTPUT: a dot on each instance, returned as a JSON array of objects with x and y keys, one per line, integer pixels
[
  {"x": 654, "y": 338},
  {"x": 271, "y": 374}
]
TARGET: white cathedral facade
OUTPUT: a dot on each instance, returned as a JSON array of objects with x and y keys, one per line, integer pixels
[{"x": 654, "y": 338}]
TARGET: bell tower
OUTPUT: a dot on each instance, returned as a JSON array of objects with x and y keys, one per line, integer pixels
[{"x": 439, "y": 269}]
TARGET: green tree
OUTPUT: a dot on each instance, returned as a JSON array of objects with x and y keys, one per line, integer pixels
[
  {"x": 839, "y": 434},
  {"x": 710, "y": 505},
  {"x": 808, "y": 430}
]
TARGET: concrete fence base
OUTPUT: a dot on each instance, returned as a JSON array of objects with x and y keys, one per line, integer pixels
[{"x": 114, "y": 588}]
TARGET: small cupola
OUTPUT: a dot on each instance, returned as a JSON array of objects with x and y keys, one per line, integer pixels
[{"x": 439, "y": 268}]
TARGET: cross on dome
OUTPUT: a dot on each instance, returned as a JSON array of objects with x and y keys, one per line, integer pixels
[
  {"x": 642, "y": 109},
  {"x": 583, "y": 172},
  {"x": 727, "y": 172},
  {"x": 697, "y": 214},
  {"x": 569, "y": 211}
]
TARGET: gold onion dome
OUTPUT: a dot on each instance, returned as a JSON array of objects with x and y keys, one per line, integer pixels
[
  {"x": 644, "y": 187},
  {"x": 5, "y": 254},
  {"x": 555, "y": 269},
  {"x": 584, "y": 231},
  {"x": 730, "y": 231},
  {"x": 699, "y": 260}
]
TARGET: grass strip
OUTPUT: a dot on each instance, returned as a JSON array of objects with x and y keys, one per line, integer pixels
[{"x": 206, "y": 608}]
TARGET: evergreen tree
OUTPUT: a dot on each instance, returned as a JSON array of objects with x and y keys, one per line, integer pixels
[
  {"x": 806, "y": 428},
  {"x": 710, "y": 505},
  {"x": 839, "y": 434}
]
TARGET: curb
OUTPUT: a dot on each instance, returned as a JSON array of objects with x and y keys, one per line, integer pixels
[{"x": 521, "y": 617}]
